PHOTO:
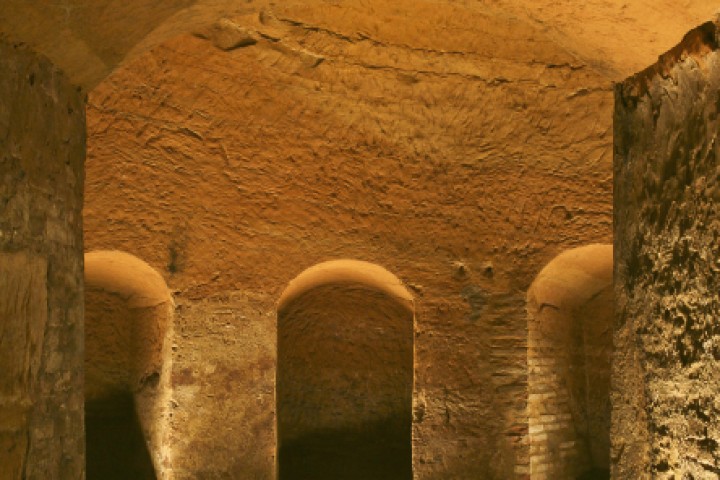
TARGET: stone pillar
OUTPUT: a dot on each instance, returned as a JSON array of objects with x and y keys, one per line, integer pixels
[
  {"x": 666, "y": 372},
  {"x": 42, "y": 150}
]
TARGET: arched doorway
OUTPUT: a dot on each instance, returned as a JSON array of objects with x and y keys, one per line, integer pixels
[
  {"x": 127, "y": 364},
  {"x": 345, "y": 374},
  {"x": 571, "y": 308}
]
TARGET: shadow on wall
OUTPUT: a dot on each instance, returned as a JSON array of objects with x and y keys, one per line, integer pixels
[
  {"x": 571, "y": 309},
  {"x": 345, "y": 374},
  {"x": 128, "y": 312}
]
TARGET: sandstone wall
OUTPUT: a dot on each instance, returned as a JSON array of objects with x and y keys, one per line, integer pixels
[
  {"x": 504, "y": 112},
  {"x": 460, "y": 163},
  {"x": 666, "y": 375},
  {"x": 88, "y": 39},
  {"x": 223, "y": 405},
  {"x": 42, "y": 149}
]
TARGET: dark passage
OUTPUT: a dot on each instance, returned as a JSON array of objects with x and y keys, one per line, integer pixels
[
  {"x": 344, "y": 385},
  {"x": 595, "y": 474},
  {"x": 380, "y": 452},
  {"x": 116, "y": 448}
]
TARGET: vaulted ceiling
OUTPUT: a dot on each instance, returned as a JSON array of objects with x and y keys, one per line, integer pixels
[{"x": 88, "y": 39}]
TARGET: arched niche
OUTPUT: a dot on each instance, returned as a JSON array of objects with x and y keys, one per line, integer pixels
[
  {"x": 128, "y": 314},
  {"x": 345, "y": 374},
  {"x": 571, "y": 309}
]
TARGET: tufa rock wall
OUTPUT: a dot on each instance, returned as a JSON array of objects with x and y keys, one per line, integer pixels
[
  {"x": 460, "y": 163},
  {"x": 42, "y": 149},
  {"x": 223, "y": 381},
  {"x": 666, "y": 368}
]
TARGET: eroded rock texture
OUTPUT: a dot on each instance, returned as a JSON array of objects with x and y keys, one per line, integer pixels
[
  {"x": 88, "y": 39},
  {"x": 667, "y": 342},
  {"x": 42, "y": 149},
  {"x": 460, "y": 144},
  {"x": 223, "y": 384},
  {"x": 462, "y": 163}
]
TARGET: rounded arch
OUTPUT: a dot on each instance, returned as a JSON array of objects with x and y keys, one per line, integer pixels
[
  {"x": 345, "y": 374},
  {"x": 346, "y": 271},
  {"x": 573, "y": 277},
  {"x": 126, "y": 275},
  {"x": 570, "y": 307},
  {"x": 128, "y": 327}
]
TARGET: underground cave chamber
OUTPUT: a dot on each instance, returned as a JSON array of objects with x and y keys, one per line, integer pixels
[
  {"x": 345, "y": 374},
  {"x": 128, "y": 319},
  {"x": 495, "y": 148},
  {"x": 571, "y": 308}
]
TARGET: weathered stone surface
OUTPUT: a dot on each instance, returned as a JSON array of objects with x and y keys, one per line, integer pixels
[
  {"x": 232, "y": 172},
  {"x": 42, "y": 149},
  {"x": 228, "y": 35},
  {"x": 432, "y": 154},
  {"x": 666, "y": 380},
  {"x": 223, "y": 406},
  {"x": 88, "y": 39},
  {"x": 23, "y": 317}
]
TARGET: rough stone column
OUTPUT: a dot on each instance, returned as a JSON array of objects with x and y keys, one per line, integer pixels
[
  {"x": 42, "y": 150},
  {"x": 666, "y": 373}
]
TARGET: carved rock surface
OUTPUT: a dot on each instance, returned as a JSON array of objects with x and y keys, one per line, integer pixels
[
  {"x": 667, "y": 342},
  {"x": 431, "y": 155},
  {"x": 42, "y": 149}
]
